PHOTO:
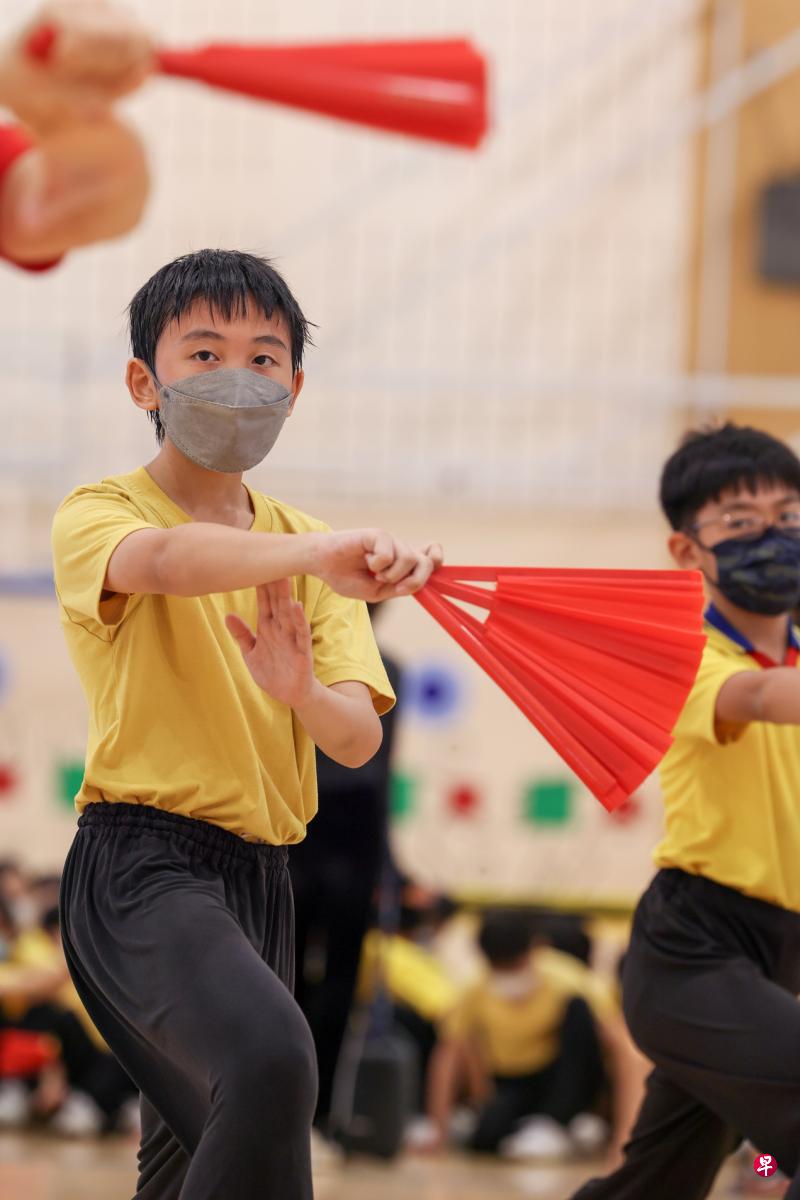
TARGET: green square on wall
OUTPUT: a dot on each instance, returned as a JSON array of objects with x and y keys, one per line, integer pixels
[
  {"x": 402, "y": 796},
  {"x": 69, "y": 777},
  {"x": 548, "y": 802}
]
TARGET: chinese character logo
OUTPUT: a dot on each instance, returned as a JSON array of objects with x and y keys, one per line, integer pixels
[{"x": 764, "y": 1164}]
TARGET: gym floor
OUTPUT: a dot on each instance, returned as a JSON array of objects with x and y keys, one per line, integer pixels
[{"x": 38, "y": 1168}]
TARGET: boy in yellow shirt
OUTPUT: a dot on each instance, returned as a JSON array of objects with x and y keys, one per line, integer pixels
[
  {"x": 712, "y": 974},
  {"x": 526, "y": 1037},
  {"x": 210, "y": 626}
]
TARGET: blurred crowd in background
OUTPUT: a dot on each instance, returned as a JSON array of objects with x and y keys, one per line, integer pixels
[{"x": 491, "y": 1029}]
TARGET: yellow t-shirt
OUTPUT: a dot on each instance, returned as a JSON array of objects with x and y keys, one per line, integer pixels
[
  {"x": 175, "y": 718},
  {"x": 412, "y": 975},
  {"x": 732, "y": 808},
  {"x": 522, "y": 1036}
]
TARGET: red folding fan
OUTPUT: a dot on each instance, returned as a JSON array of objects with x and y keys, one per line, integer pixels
[
  {"x": 434, "y": 90},
  {"x": 600, "y": 661}
]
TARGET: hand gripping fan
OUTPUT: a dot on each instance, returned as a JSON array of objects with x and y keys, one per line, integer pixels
[
  {"x": 601, "y": 662},
  {"x": 434, "y": 90}
]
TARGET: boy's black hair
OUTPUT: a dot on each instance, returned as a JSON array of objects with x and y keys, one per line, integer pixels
[
  {"x": 229, "y": 281},
  {"x": 709, "y": 462},
  {"x": 505, "y": 937},
  {"x": 51, "y": 921}
]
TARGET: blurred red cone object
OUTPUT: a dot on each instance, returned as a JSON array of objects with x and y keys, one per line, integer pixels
[{"x": 434, "y": 90}]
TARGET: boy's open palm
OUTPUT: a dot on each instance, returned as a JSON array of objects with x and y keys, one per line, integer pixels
[{"x": 278, "y": 655}]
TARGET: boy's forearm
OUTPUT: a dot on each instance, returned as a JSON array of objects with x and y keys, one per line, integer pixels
[
  {"x": 345, "y": 728},
  {"x": 442, "y": 1084},
  {"x": 200, "y": 558}
]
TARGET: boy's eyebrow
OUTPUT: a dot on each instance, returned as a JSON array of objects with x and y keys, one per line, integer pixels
[
  {"x": 203, "y": 333},
  {"x": 270, "y": 339},
  {"x": 266, "y": 339}
]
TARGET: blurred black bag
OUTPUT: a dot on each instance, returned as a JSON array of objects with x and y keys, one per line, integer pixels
[
  {"x": 377, "y": 1080},
  {"x": 386, "y": 1085}
]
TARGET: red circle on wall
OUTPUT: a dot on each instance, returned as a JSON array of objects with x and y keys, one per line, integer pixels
[
  {"x": 628, "y": 811},
  {"x": 8, "y": 779},
  {"x": 463, "y": 801}
]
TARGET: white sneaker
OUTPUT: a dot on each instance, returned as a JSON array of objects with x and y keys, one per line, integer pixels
[
  {"x": 463, "y": 1124},
  {"x": 420, "y": 1133},
  {"x": 78, "y": 1117},
  {"x": 588, "y": 1132},
  {"x": 540, "y": 1138},
  {"x": 15, "y": 1104}
]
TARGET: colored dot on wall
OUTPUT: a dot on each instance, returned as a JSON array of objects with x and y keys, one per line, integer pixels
[
  {"x": 627, "y": 812},
  {"x": 8, "y": 780},
  {"x": 434, "y": 692},
  {"x": 548, "y": 802},
  {"x": 463, "y": 801},
  {"x": 69, "y": 777},
  {"x": 402, "y": 796}
]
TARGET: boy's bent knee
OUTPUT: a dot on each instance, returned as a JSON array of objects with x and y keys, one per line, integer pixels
[{"x": 275, "y": 1073}]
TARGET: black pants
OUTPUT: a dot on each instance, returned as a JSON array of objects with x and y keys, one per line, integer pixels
[
  {"x": 178, "y": 936},
  {"x": 566, "y": 1087},
  {"x": 87, "y": 1067},
  {"x": 709, "y": 985}
]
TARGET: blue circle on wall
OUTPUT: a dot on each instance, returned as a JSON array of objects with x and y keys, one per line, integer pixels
[{"x": 434, "y": 692}]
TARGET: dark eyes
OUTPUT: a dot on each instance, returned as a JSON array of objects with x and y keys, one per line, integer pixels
[{"x": 260, "y": 360}]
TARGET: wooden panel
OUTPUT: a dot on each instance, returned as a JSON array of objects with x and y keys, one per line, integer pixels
[
  {"x": 765, "y": 318},
  {"x": 764, "y": 329}
]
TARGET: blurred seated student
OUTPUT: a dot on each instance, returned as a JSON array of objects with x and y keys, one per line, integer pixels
[
  {"x": 43, "y": 890},
  {"x": 15, "y": 892},
  {"x": 37, "y": 995},
  {"x": 71, "y": 172},
  {"x": 526, "y": 1042},
  {"x": 20, "y": 986}
]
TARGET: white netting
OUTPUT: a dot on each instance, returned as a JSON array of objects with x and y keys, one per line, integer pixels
[{"x": 499, "y": 328}]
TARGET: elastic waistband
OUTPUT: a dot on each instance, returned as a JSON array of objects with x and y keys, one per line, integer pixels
[
  {"x": 145, "y": 818},
  {"x": 728, "y": 900}
]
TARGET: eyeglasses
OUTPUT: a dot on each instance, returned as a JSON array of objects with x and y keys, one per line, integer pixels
[{"x": 749, "y": 526}]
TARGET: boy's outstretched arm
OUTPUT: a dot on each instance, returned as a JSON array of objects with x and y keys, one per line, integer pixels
[
  {"x": 772, "y": 696},
  {"x": 85, "y": 178},
  {"x": 199, "y": 558}
]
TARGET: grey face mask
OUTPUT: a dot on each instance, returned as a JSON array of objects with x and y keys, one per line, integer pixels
[{"x": 224, "y": 420}]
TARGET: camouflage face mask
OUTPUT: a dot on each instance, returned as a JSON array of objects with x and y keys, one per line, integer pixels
[{"x": 761, "y": 575}]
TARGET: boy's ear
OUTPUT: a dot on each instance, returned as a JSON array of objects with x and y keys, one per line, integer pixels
[
  {"x": 297, "y": 387},
  {"x": 685, "y": 552},
  {"x": 141, "y": 385}
]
